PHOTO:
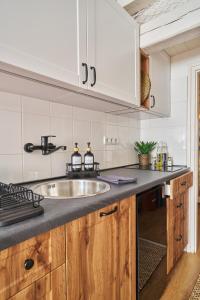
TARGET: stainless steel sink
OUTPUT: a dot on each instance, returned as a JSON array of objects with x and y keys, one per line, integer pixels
[{"x": 74, "y": 188}]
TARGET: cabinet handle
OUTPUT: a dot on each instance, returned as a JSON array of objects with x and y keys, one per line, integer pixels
[
  {"x": 29, "y": 263},
  {"x": 183, "y": 183},
  {"x": 86, "y": 73},
  {"x": 104, "y": 214},
  {"x": 95, "y": 75},
  {"x": 154, "y": 101},
  {"x": 178, "y": 239},
  {"x": 179, "y": 205}
]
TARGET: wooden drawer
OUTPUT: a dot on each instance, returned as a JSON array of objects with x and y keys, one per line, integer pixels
[
  {"x": 180, "y": 184},
  {"x": 98, "y": 216},
  {"x": 23, "y": 264}
]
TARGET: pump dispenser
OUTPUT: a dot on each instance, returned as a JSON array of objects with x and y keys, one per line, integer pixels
[
  {"x": 76, "y": 159},
  {"x": 89, "y": 159}
]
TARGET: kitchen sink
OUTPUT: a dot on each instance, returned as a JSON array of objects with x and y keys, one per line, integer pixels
[{"x": 73, "y": 188}]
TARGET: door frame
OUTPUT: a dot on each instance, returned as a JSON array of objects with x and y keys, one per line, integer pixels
[{"x": 192, "y": 154}]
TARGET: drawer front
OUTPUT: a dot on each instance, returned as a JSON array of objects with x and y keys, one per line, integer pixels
[
  {"x": 22, "y": 269},
  {"x": 26, "y": 262},
  {"x": 180, "y": 184}
]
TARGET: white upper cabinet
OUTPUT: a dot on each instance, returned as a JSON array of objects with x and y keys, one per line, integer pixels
[
  {"x": 160, "y": 75},
  {"x": 42, "y": 37},
  {"x": 113, "y": 51},
  {"x": 91, "y": 46}
]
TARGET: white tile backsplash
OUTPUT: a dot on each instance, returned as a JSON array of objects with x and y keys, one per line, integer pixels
[
  {"x": 35, "y": 106},
  {"x": 10, "y": 102},
  {"x": 24, "y": 120},
  {"x": 10, "y": 124},
  {"x": 11, "y": 168}
]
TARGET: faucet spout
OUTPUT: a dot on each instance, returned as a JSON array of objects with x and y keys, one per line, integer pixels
[{"x": 56, "y": 149}]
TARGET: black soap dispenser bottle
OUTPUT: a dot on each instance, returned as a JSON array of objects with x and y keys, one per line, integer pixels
[
  {"x": 76, "y": 159},
  {"x": 89, "y": 159}
]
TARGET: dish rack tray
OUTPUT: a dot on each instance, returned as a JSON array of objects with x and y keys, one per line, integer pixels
[{"x": 18, "y": 203}]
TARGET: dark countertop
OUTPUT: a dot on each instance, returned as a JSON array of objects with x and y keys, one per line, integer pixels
[{"x": 59, "y": 212}]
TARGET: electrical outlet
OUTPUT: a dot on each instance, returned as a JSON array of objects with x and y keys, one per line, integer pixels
[{"x": 110, "y": 141}]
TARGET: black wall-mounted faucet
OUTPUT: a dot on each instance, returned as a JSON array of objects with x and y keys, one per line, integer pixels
[{"x": 46, "y": 147}]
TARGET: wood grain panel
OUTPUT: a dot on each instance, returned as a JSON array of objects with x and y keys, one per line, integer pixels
[
  {"x": 127, "y": 249},
  {"x": 58, "y": 283},
  {"x": 101, "y": 254},
  {"x": 181, "y": 184},
  {"x": 43, "y": 288},
  {"x": 57, "y": 246},
  {"x": 26, "y": 294},
  {"x": 46, "y": 250}
]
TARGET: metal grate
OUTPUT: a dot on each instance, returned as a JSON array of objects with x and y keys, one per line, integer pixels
[{"x": 12, "y": 196}]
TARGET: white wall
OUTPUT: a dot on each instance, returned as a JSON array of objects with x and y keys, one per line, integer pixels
[
  {"x": 173, "y": 130},
  {"x": 24, "y": 119}
]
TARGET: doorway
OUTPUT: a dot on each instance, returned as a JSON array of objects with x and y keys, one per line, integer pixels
[{"x": 193, "y": 157}]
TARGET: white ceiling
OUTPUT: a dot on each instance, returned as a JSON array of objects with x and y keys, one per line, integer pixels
[
  {"x": 151, "y": 14},
  {"x": 147, "y": 10}
]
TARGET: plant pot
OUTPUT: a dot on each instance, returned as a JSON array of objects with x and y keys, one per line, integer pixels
[{"x": 143, "y": 160}]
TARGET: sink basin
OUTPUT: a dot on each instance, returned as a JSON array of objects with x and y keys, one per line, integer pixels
[{"x": 74, "y": 188}]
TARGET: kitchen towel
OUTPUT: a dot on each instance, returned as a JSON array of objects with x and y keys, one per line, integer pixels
[{"x": 117, "y": 179}]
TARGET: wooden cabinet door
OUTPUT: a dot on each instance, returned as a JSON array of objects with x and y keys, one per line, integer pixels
[
  {"x": 160, "y": 74},
  {"x": 101, "y": 254},
  {"x": 113, "y": 49},
  {"x": 92, "y": 256},
  {"x": 42, "y": 37}
]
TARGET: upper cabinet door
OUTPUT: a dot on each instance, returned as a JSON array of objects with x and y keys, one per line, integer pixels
[
  {"x": 113, "y": 51},
  {"x": 160, "y": 74},
  {"x": 42, "y": 37}
]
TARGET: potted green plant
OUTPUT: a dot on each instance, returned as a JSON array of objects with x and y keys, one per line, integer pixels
[{"x": 143, "y": 150}]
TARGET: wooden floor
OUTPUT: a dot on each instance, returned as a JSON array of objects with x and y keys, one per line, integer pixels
[{"x": 184, "y": 277}]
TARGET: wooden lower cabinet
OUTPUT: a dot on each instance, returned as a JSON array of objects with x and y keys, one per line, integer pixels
[
  {"x": 101, "y": 254},
  {"x": 91, "y": 258},
  {"x": 177, "y": 218}
]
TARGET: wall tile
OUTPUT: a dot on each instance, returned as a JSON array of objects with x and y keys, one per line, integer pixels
[
  {"x": 34, "y": 126},
  {"x": 87, "y": 115},
  {"x": 58, "y": 163},
  {"x": 81, "y": 133},
  {"x": 35, "y": 106},
  {"x": 97, "y": 135},
  {"x": 179, "y": 89},
  {"x": 62, "y": 128},
  {"x": 10, "y": 124},
  {"x": 11, "y": 168},
  {"x": 36, "y": 166},
  {"x": 61, "y": 110},
  {"x": 10, "y": 102}
]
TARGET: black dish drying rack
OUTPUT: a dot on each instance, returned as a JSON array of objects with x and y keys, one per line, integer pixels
[{"x": 18, "y": 203}]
